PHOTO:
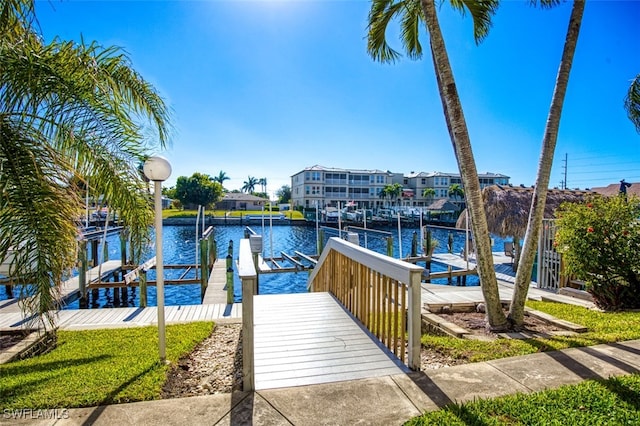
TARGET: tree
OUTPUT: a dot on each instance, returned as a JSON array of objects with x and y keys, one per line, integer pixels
[
  {"x": 222, "y": 176},
  {"x": 250, "y": 185},
  {"x": 67, "y": 110},
  {"x": 456, "y": 191},
  {"x": 429, "y": 193},
  {"x": 536, "y": 214},
  {"x": 198, "y": 190},
  {"x": 411, "y": 13},
  {"x": 632, "y": 102},
  {"x": 600, "y": 244},
  {"x": 263, "y": 184},
  {"x": 284, "y": 194},
  {"x": 382, "y": 193}
]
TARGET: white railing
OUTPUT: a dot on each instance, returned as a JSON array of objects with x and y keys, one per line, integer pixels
[{"x": 249, "y": 277}]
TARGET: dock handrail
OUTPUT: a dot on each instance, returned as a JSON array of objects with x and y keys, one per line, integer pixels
[
  {"x": 249, "y": 277},
  {"x": 382, "y": 292}
]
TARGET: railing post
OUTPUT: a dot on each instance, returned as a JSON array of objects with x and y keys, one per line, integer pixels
[
  {"x": 82, "y": 273},
  {"x": 248, "y": 275},
  {"x": 414, "y": 322}
]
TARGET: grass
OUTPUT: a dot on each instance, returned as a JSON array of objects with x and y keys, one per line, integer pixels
[
  {"x": 603, "y": 328},
  {"x": 97, "y": 367},
  {"x": 615, "y": 401},
  {"x": 167, "y": 213}
]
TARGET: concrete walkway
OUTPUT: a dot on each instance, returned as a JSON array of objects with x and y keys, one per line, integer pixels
[{"x": 387, "y": 400}]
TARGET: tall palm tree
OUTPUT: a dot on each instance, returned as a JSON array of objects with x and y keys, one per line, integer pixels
[
  {"x": 250, "y": 185},
  {"x": 632, "y": 102},
  {"x": 411, "y": 14},
  {"x": 263, "y": 184},
  {"x": 222, "y": 176},
  {"x": 67, "y": 111},
  {"x": 536, "y": 214}
]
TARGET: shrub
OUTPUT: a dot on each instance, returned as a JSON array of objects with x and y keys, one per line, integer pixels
[{"x": 600, "y": 243}]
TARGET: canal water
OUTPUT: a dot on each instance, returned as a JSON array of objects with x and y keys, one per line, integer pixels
[{"x": 180, "y": 248}]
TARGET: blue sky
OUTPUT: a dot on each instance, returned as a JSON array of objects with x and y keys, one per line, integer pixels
[{"x": 266, "y": 88}]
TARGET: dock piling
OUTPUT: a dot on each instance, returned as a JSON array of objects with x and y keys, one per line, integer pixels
[
  {"x": 229, "y": 285},
  {"x": 143, "y": 288},
  {"x": 82, "y": 273},
  {"x": 204, "y": 266}
]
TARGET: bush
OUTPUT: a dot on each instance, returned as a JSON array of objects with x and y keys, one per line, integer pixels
[{"x": 600, "y": 243}]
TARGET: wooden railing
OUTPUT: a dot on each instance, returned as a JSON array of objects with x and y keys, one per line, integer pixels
[{"x": 380, "y": 291}]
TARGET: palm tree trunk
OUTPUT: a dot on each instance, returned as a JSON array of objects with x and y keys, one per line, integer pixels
[
  {"x": 459, "y": 134},
  {"x": 523, "y": 275}
]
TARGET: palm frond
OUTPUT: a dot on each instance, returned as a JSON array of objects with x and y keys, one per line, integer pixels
[
  {"x": 410, "y": 24},
  {"x": 481, "y": 12},
  {"x": 632, "y": 102},
  {"x": 381, "y": 14}
]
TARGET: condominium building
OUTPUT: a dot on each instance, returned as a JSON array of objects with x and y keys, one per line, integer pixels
[{"x": 325, "y": 186}]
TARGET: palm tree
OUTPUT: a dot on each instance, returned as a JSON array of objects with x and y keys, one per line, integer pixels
[
  {"x": 429, "y": 193},
  {"x": 222, "y": 176},
  {"x": 632, "y": 102},
  {"x": 263, "y": 183},
  {"x": 536, "y": 214},
  {"x": 383, "y": 193},
  {"x": 250, "y": 185},
  {"x": 66, "y": 111},
  {"x": 456, "y": 191},
  {"x": 411, "y": 13}
]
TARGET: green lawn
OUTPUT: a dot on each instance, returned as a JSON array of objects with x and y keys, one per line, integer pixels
[
  {"x": 97, "y": 367},
  {"x": 615, "y": 401},
  {"x": 603, "y": 328}
]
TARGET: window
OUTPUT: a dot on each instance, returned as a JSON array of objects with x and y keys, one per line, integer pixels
[{"x": 423, "y": 181}]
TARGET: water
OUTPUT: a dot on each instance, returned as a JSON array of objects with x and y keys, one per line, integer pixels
[{"x": 179, "y": 248}]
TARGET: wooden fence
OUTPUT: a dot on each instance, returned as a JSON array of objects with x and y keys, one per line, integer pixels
[{"x": 380, "y": 291}]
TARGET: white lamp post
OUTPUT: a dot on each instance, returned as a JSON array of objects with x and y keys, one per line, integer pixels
[{"x": 158, "y": 170}]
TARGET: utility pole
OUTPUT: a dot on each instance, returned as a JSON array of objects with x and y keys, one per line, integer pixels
[{"x": 566, "y": 162}]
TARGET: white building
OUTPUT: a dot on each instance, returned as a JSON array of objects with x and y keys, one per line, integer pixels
[{"x": 326, "y": 186}]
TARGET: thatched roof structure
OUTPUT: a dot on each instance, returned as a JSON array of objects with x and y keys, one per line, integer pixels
[
  {"x": 507, "y": 207},
  {"x": 443, "y": 205}
]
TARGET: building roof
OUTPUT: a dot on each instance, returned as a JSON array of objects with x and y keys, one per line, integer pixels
[
  {"x": 614, "y": 189},
  {"x": 319, "y": 168},
  {"x": 240, "y": 196}
]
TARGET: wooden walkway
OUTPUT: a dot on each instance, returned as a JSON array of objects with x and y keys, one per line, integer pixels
[
  {"x": 70, "y": 288},
  {"x": 434, "y": 296},
  {"x": 84, "y": 319},
  {"x": 309, "y": 338}
]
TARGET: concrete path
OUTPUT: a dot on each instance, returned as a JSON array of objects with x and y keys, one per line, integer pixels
[{"x": 388, "y": 400}]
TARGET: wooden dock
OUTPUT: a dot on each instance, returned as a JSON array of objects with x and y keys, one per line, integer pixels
[
  {"x": 84, "y": 319},
  {"x": 309, "y": 338},
  {"x": 69, "y": 289}
]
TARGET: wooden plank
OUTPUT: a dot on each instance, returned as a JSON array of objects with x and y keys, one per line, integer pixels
[{"x": 295, "y": 343}]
